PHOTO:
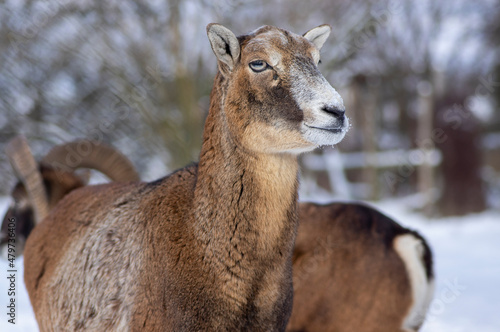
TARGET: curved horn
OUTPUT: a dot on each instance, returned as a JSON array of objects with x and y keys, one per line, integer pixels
[
  {"x": 26, "y": 168},
  {"x": 89, "y": 154}
]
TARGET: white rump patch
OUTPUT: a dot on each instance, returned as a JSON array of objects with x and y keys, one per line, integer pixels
[{"x": 411, "y": 251}]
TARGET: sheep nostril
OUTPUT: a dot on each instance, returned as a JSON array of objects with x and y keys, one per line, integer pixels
[{"x": 335, "y": 111}]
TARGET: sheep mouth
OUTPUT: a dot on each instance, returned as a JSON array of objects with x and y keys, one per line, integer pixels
[{"x": 335, "y": 129}]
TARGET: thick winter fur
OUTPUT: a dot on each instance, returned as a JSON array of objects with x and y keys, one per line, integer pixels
[
  {"x": 350, "y": 274},
  {"x": 56, "y": 184},
  {"x": 410, "y": 248},
  {"x": 58, "y": 177},
  {"x": 209, "y": 247}
]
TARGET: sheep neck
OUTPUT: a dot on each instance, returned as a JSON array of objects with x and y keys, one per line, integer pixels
[{"x": 245, "y": 207}]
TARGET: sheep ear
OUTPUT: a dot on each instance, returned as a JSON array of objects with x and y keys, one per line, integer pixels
[
  {"x": 318, "y": 35},
  {"x": 224, "y": 44}
]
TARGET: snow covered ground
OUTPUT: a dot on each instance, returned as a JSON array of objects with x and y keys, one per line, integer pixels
[{"x": 467, "y": 263}]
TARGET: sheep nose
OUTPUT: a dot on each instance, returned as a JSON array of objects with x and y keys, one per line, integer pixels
[{"x": 335, "y": 111}]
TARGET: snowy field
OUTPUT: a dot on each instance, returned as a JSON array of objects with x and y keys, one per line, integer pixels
[{"x": 467, "y": 263}]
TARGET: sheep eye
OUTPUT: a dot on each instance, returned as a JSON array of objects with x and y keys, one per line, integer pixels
[{"x": 258, "y": 66}]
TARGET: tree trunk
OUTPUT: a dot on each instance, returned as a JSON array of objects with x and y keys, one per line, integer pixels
[{"x": 463, "y": 189}]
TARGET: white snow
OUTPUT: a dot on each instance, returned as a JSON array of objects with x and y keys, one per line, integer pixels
[
  {"x": 467, "y": 265},
  {"x": 482, "y": 107},
  {"x": 61, "y": 89}
]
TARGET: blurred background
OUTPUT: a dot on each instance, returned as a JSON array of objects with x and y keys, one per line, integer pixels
[{"x": 420, "y": 81}]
